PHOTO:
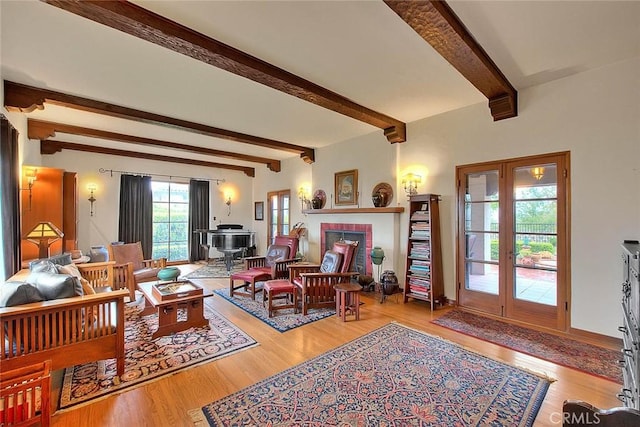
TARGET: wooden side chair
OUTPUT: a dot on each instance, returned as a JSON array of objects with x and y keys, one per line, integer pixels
[{"x": 578, "y": 413}]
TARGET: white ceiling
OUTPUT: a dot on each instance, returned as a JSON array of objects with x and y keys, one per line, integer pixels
[{"x": 359, "y": 49}]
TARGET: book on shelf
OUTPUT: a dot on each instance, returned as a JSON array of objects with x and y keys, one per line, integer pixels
[
  {"x": 420, "y": 291},
  {"x": 420, "y": 216}
]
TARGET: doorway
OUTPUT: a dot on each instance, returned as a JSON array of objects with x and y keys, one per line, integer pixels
[{"x": 513, "y": 234}]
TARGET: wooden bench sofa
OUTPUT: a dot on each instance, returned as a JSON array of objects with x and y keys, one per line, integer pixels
[{"x": 67, "y": 331}]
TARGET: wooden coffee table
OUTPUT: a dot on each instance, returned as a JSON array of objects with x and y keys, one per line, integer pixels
[{"x": 191, "y": 303}]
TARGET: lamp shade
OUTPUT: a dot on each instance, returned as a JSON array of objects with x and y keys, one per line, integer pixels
[{"x": 43, "y": 234}]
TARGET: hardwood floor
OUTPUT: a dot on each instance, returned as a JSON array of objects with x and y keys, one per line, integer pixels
[{"x": 165, "y": 402}]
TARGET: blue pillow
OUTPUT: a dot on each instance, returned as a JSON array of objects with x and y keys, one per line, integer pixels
[{"x": 18, "y": 293}]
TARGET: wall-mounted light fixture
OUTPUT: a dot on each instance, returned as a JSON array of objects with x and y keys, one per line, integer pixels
[
  {"x": 92, "y": 187},
  {"x": 43, "y": 235},
  {"x": 31, "y": 174},
  {"x": 537, "y": 172},
  {"x": 228, "y": 203},
  {"x": 410, "y": 183},
  {"x": 303, "y": 195}
]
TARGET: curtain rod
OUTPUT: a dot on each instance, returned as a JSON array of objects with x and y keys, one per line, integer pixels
[{"x": 112, "y": 171}]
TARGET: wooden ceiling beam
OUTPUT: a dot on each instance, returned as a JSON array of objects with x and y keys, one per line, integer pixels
[
  {"x": 24, "y": 98},
  {"x": 139, "y": 22},
  {"x": 40, "y": 129},
  {"x": 52, "y": 147},
  {"x": 436, "y": 23}
]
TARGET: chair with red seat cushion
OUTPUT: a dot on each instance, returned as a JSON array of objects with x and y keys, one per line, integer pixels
[
  {"x": 271, "y": 266},
  {"x": 316, "y": 282},
  {"x": 277, "y": 259}
]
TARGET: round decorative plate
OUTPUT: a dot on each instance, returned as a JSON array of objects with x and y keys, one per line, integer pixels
[
  {"x": 320, "y": 194},
  {"x": 385, "y": 190}
]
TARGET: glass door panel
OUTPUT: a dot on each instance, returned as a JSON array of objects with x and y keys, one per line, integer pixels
[{"x": 481, "y": 223}]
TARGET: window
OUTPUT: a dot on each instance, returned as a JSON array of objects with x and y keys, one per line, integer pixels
[{"x": 170, "y": 220}]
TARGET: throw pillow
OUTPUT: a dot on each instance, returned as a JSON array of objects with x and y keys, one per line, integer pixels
[
  {"x": 43, "y": 266},
  {"x": 54, "y": 286},
  {"x": 71, "y": 269},
  {"x": 18, "y": 293}
]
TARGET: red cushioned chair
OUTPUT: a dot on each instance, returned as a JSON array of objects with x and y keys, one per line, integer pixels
[
  {"x": 274, "y": 265},
  {"x": 316, "y": 283}
]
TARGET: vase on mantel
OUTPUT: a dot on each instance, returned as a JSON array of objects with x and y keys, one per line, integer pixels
[{"x": 98, "y": 254}]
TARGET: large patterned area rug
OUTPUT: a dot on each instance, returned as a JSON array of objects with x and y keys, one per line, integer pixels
[
  {"x": 594, "y": 360},
  {"x": 392, "y": 376},
  {"x": 215, "y": 268},
  {"x": 148, "y": 359},
  {"x": 282, "y": 320}
]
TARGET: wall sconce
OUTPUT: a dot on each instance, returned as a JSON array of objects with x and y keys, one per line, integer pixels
[
  {"x": 92, "y": 187},
  {"x": 43, "y": 235},
  {"x": 31, "y": 174},
  {"x": 228, "y": 203},
  {"x": 410, "y": 183},
  {"x": 537, "y": 172},
  {"x": 304, "y": 198}
]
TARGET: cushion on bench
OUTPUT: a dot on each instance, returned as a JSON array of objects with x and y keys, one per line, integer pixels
[{"x": 18, "y": 293}]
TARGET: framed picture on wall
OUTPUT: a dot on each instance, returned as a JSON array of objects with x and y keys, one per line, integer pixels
[
  {"x": 258, "y": 211},
  {"x": 346, "y": 187}
]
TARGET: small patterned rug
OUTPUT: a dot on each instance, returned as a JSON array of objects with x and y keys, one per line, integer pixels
[
  {"x": 282, "y": 320},
  {"x": 594, "y": 360},
  {"x": 215, "y": 268},
  {"x": 392, "y": 376},
  {"x": 148, "y": 359}
]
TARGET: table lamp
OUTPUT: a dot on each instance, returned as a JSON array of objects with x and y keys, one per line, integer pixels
[{"x": 43, "y": 235}]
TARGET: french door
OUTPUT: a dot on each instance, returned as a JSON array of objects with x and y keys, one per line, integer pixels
[
  {"x": 513, "y": 234},
  {"x": 278, "y": 214}
]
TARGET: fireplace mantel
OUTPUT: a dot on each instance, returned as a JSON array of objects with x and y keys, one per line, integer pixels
[{"x": 398, "y": 209}]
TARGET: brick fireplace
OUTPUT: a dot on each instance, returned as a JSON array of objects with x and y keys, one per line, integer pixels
[{"x": 332, "y": 232}]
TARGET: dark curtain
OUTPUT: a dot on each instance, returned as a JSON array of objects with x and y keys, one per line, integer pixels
[
  {"x": 136, "y": 212},
  {"x": 10, "y": 196},
  {"x": 198, "y": 217}
]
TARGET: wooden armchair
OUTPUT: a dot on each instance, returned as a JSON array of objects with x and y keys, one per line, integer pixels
[
  {"x": 144, "y": 270},
  {"x": 108, "y": 274},
  {"x": 277, "y": 259},
  {"x": 316, "y": 282},
  {"x": 274, "y": 265}
]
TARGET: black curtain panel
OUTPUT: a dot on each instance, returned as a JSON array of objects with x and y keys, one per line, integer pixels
[
  {"x": 198, "y": 217},
  {"x": 136, "y": 212},
  {"x": 10, "y": 197}
]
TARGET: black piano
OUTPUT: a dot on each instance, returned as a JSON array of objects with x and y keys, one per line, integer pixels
[{"x": 230, "y": 239}]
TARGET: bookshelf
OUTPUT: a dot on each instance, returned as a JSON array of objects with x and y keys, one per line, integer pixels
[{"x": 423, "y": 280}]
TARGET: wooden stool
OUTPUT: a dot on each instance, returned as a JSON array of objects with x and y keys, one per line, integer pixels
[
  {"x": 249, "y": 279},
  {"x": 279, "y": 289},
  {"x": 347, "y": 300}
]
